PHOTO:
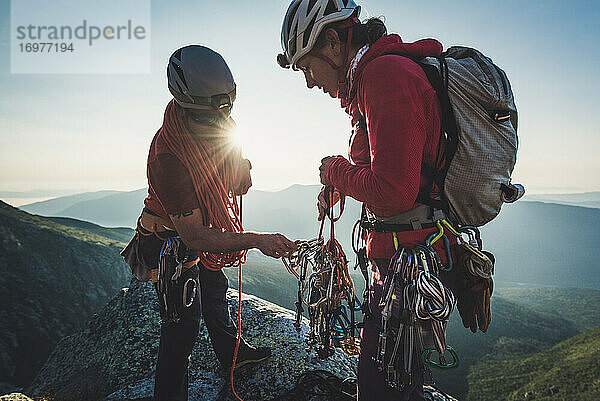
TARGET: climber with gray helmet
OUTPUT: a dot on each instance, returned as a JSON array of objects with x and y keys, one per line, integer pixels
[{"x": 190, "y": 226}]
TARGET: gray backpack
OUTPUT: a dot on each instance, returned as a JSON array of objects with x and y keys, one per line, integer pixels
[{"x": 479, "y": 121}]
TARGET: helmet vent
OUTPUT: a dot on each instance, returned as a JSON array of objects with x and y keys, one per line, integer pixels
[
  {"x": 292, "y": 13},
  {"x": 308, "y": 30},
  {"x": 177, "y": 54},
  {"x": 330, "y": 9}
]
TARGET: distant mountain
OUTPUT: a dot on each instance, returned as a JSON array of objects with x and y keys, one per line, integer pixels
[
  {"x": 293, "y": 212},
  {"x": 37, "y": 193},
  {"x": 569, "y": 371},
  {"x": 559, "y": 302},
  {"x": 546, "y": 244},
  {"x": 535, "y": 243},
  {"x": 117, "y": 210},
  {"x": 120, "y": 234},
  {"x": 585, "y": 199},
  {"x": 53, "y": 277},
  {"x": 54, "y": 207}
]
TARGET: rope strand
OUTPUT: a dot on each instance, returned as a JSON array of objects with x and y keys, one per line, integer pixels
[{"x": 214, "y": 188}]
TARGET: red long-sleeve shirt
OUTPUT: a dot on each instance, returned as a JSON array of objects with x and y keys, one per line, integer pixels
[{"x": 401, "y": 112}]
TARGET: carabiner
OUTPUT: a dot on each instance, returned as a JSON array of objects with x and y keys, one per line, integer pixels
[
  {"x": 448, "y": 255},
  {"x": 188, "y": 301},
  {"x": 433, "y": 238},
  {"x": 442, "y": 364},
  {"x": 450, "y": 227}
]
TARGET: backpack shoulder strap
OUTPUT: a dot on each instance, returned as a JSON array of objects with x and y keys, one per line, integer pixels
[{"x": 438, "y": 79}]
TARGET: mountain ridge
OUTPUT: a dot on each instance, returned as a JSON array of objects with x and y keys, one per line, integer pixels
[
  {"x": 53, "y": 277},
  {"x": 570, "y": 370}
]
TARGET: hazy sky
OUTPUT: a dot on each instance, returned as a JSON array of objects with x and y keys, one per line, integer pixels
[{"x": 91, "y": 132}]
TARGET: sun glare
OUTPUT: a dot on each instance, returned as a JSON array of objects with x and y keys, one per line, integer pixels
[{"x": 237, "y": 136}]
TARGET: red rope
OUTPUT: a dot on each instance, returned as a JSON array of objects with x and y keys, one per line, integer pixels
[
  {"x": 213, "y": 175},
  {"x": 239, "y": 333},
  {"x": 214, "y": 189}
]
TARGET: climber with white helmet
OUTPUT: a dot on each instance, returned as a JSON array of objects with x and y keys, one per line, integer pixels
[{"x": 395, "y": 115}]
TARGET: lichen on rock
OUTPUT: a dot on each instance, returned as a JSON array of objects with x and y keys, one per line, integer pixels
[
  {"x": 118, "y": 347},
  {"x": 114, "y": 356}
]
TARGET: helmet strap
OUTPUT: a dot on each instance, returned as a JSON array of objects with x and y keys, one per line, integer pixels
[
  {"x": 341, "y": 69},
  {"x": 328, "y": 60}
]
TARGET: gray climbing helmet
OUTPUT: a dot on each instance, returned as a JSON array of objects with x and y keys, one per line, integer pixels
[{"x": 200, "y": 79}]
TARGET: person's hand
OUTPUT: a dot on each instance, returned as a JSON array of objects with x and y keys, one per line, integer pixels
[
  {"x": 243, "y": 178},
  {"x": 323, "y": 200},
  {"x": 324, "y": 163},
  {"x": 275, "y": 245}
]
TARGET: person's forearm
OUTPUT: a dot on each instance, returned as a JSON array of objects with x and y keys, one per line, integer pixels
[{"x": 215, "y": 240}]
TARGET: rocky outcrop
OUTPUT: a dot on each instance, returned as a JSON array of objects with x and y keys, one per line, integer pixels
[
  {"x": 118, "y": 348},
  {"x": 15, "y": 397},
  {"x": 114, "y": 356}
]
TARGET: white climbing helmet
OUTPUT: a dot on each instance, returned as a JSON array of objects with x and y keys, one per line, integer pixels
[{"x": 303, "y": 23}]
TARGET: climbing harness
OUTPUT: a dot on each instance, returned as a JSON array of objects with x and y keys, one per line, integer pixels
[{"x": 326, "y": 289}]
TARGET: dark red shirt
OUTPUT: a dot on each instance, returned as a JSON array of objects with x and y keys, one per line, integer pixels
[{"x": 170, "y": 188}]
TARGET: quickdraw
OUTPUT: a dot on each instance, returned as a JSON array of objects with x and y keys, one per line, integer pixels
[
  {"x": 324, "y": 285},
  {"x": 415, "y": 310},
  {"x": 172, "y": 261},
  {"x": 360, "y": 249}
]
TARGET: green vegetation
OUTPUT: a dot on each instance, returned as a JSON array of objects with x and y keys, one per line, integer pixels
[
  {"x": 568, "y": 371},
  {"x": 576, "y": 305},
  {"x": 516, "y": 330},
  {"x": 52, "y": 279},
  {"x": 120, "y": 234}
]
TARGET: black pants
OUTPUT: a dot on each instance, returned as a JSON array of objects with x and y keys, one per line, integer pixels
[
  {"x": 177, "y": 339},
  {"x": 371, "y": 382}
]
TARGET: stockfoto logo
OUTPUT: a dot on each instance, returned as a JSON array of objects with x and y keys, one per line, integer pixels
[
  {"x": 83, "y": 36},
  {"x": 82, "y": 32}
]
